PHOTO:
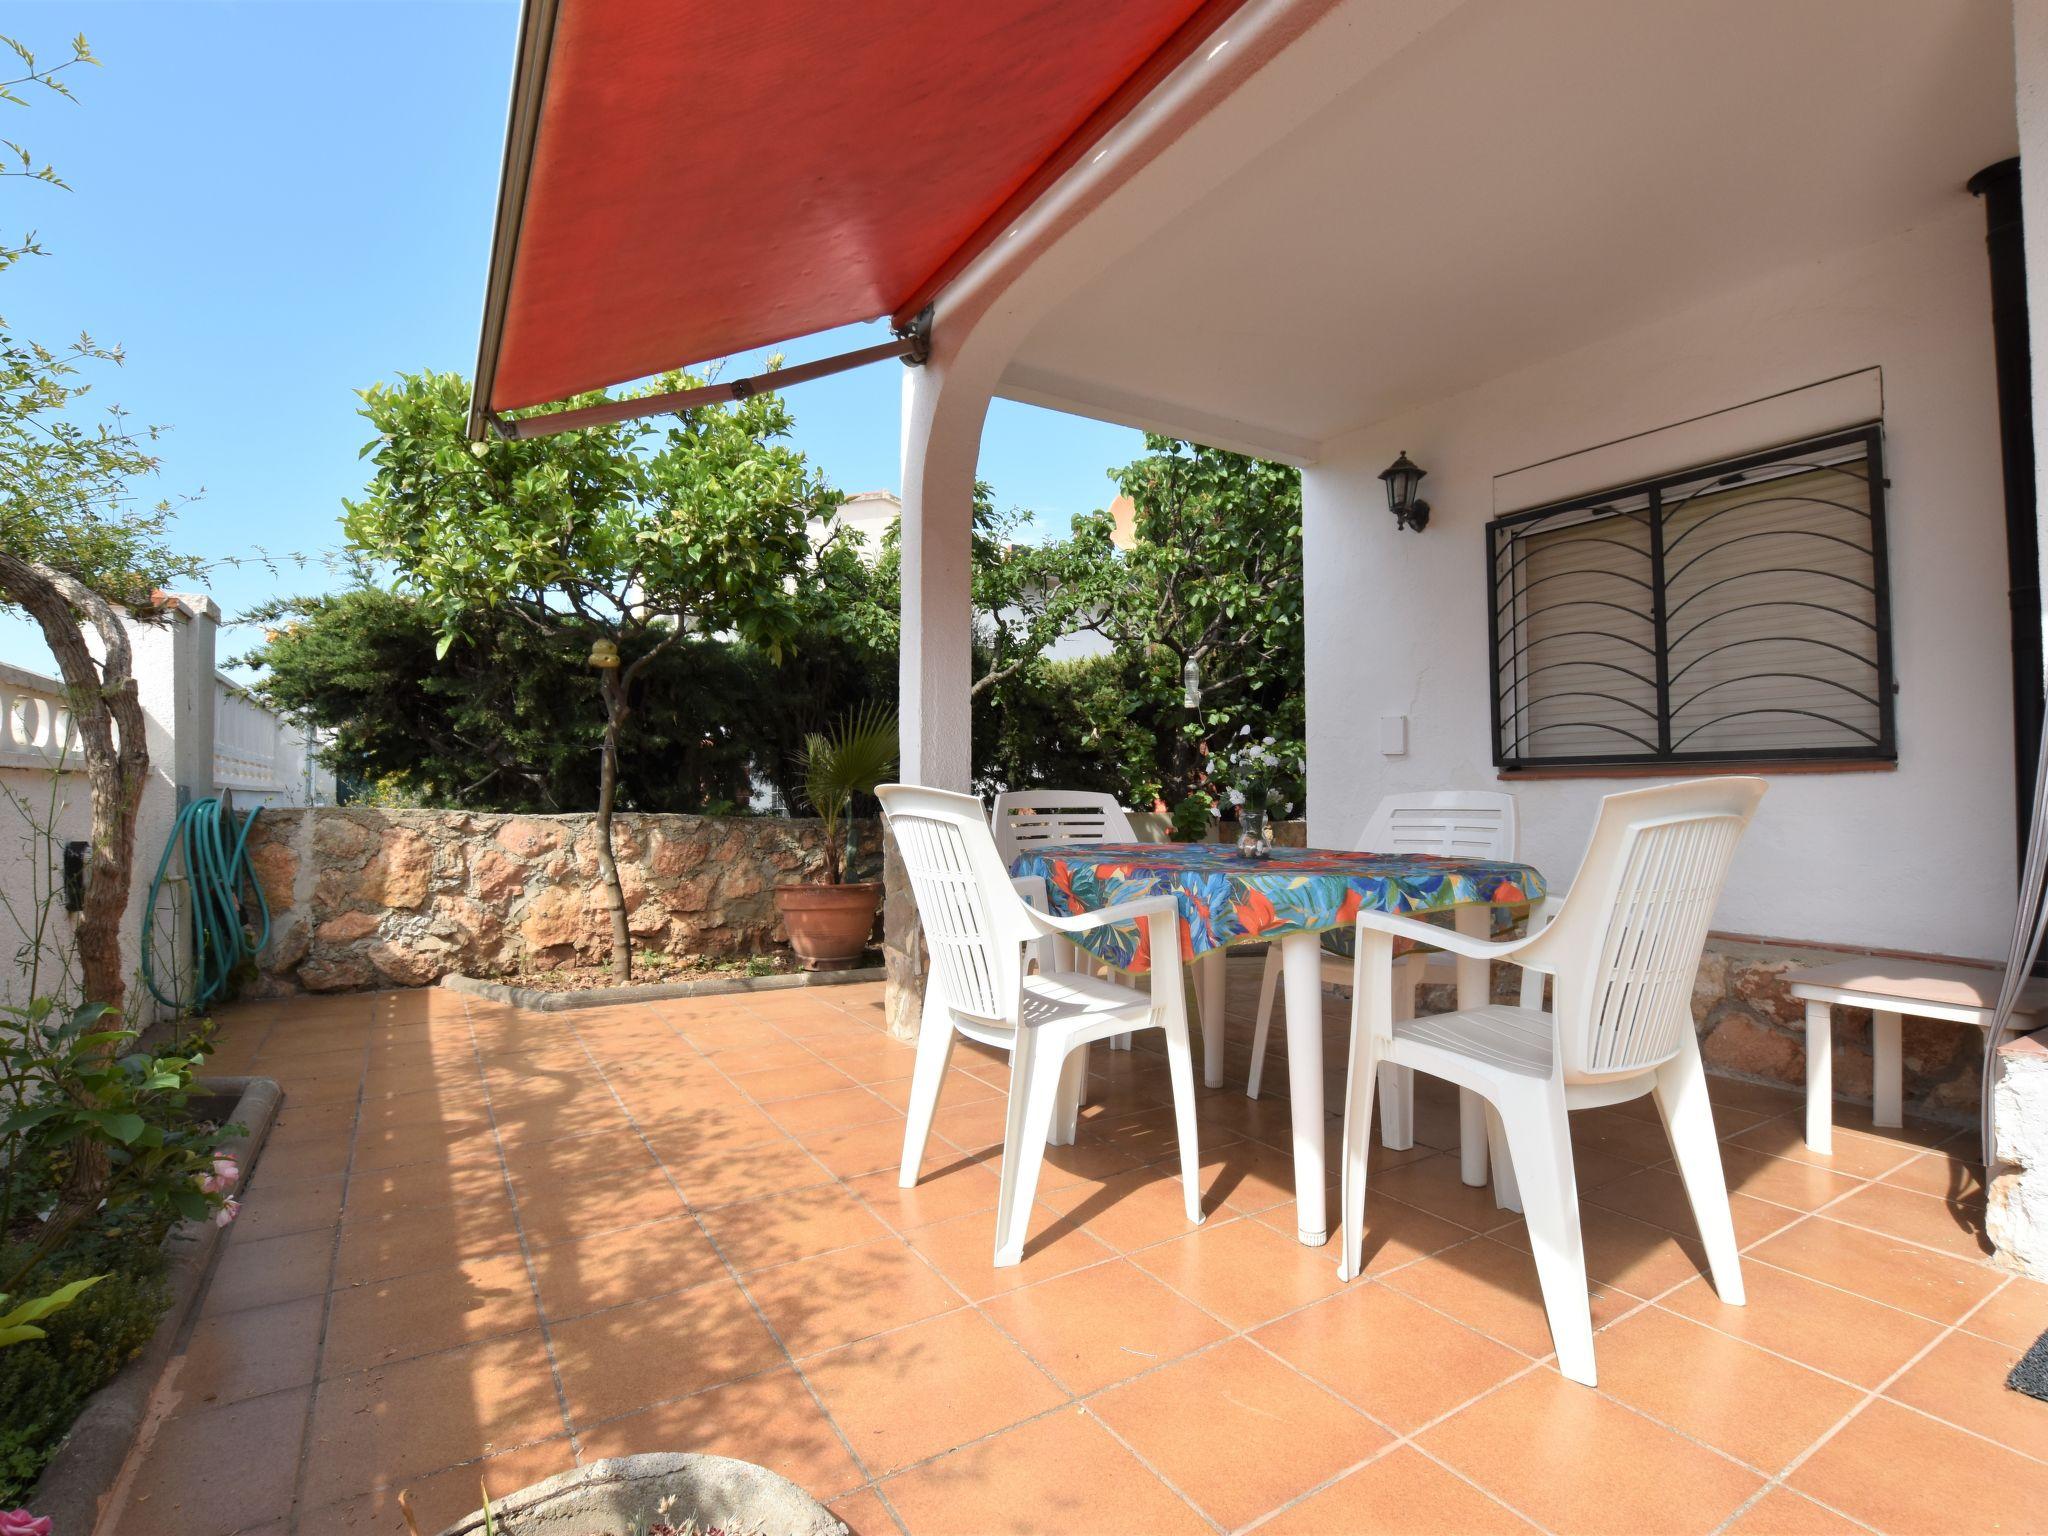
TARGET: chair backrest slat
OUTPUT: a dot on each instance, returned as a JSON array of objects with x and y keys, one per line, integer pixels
[
  {"x": 1021, "y": 818},
  {"x": 1627, "y": 942},
  {"x": 1459, "y": 823},
  {"x": 965, "y": 903}
]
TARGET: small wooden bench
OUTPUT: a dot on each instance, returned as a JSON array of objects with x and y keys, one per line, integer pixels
[{"x": 1961, "y": 994}]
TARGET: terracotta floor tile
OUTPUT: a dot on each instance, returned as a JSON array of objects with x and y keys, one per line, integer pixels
[
  {"x": 688, "y": 1122},
  {"x": 430, "y": 1237},
  {"x": 435, "y": 1309},
  {"x": 835, "y": 1298},
  {"x": 1955, "y": 1227},
  {"x": 396, "y": 1423},
  {"x": 630, "y": 1264},
  {"x": 1962, "y": 1380},
  {"x": 952, "y": 1186},
  {"x": 1574, "y": 1461},
  {"x": 1433, "y": 1184},
  {"x": 1782, "y": 1512},
  {"x": 714, "y": 1176},
  {"x": 1713, "y": 1388},
  {"x": 313, "y": 1158},
  {"x": 1401, "y": 1491},
  {"x": 445, "y": 1497},
  {"x": 628, "y": 1358},
  {"x": 1881, "y": 1469},
  {"x": 631, "y": 1197},
  {"x": 850, "y": 1151},
  {"x": 778, "y": 1083},
  {"x": 246, "y": 1354},
  {"x": 973, "y": 1126},
  {"x": 1945, "y": 1175},
  {"x": 1128, "y": 1210},
  {"x": 864, "y": 1514},
  {"x": 1657, "y": 1195},
  {"x": 1243, "y": 1271},
  {"x": 1396, "y": 1233},
  {"x": 269, "y": 1270},
  {"x": 872, "y": 1061},
  {"x": 1886, "y": 1269},
  {"x": 784, "y": 1228},
  {"x": 447, "y": 1143},
  {"x": 178, "y": 1486},
  {"x": 1102, "y": 1325},
  {"x": 1857, "y": 1156},
  {"x": 1607, "y": 1131},
  {"x": 928, "y": 1388},
  {"x": 2017, "y": 1315},
  {"x": 421, "y": 1186},
  {"x": 1782, "y": 1181},
  {"x": 960, "y": 1089},
  {"x": 1395, "y": 1358},
  {"x": 766, "y": 1057},
  {"x": 833, "y": 1110},
  {"x": 1830, "y": 1329},
  {"x": 1761, "y": 1098},
  {"x": 1236, "y": 1431},
  {"x": 1623, "y": 1252},
  {"x": 278, "y": 1208},
  {"x": 1000, "y": 1486},
  {"x": 571, "y": 1159},
  {"x": 770, "y": 1419},
  {"x": 1492, "y": 1287},
  {"x": 964, "y": 1251},
  {"x": 1250, "y": 1176}
]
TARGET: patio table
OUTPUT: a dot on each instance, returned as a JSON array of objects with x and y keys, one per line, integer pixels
[{"x": 1295, "y": 897}]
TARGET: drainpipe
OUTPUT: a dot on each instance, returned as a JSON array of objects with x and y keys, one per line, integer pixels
[{"x": 1999, "y": 186}]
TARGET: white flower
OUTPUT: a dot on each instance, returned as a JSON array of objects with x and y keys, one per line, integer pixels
[
  {"x": 1269, "y": 741},
  {"x": 1237, "y": 797},
  {"x": 1246, "y": 731}
]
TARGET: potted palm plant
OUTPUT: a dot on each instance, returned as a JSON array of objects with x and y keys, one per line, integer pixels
[{"x": 829, "y": 921}]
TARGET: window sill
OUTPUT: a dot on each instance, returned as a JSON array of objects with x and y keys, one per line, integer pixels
[{"x": 1690, "y": 770}]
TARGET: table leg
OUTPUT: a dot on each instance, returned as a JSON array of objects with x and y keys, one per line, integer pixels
[
  {"x": 1473, "y": 983},
  {"x": 1301, "y": 962},
  {"x": 1820, "y": 1077},
  {"x": 1209, "y": 973},
  {"x": 1887, "y": 1070}
]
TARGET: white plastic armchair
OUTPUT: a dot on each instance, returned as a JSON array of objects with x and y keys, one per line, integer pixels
[
  {"x": 1621, "y": 953},
  {"x": 976, "y": 927},
  {"x": 1468, "y": 823},
  {"x": 1023, "y": 819}
]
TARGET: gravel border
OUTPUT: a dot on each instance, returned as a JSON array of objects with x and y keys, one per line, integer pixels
[
  {"x": 536, "y": 1000},
  {"x": 88, "y": 1462}
]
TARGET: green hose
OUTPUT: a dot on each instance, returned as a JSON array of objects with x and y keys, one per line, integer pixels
[{"x": 215, "y": 844}]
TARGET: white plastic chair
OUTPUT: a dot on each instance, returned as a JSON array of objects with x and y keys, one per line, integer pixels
[
  {"x": 976, "y": 927},
  {"x": 1023, "y": 819},
  {"x": 1469, "y": 823},
  {"x": 1621, "y": 953}
]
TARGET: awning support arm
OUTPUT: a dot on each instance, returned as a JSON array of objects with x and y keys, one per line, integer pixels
[{"x": 912, "y": 343}]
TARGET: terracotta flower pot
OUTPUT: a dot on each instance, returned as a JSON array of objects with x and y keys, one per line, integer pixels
[{"x": 829, "y": 924}]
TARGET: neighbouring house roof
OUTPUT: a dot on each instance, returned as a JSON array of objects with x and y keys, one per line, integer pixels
[{"x": 685, "y": 179}]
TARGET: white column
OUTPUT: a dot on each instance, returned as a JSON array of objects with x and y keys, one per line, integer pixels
[
  {"x": 942, "y": 420},
  {"x": 944, "y": 406},
  {"x": 2030, "y": 82}
]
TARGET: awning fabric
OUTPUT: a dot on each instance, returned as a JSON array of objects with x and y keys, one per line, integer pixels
[{"x": 685, "y": 179}]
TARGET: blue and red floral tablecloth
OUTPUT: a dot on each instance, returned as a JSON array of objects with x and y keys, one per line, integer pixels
[{"x": 1226, "y": 898}]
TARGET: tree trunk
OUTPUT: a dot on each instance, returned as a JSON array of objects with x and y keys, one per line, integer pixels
[
  {"x": 110, "y": 727},
  {"x": 616, "y": 710}
]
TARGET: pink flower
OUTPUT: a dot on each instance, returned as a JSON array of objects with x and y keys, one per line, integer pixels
[
  {"x": 226, "y": 1172},
  {"x": 20, "y": 1522},
  {"x": 229, "y": 1210}
]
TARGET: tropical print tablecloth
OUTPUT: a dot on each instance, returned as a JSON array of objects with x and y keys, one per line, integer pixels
[{"x": 1226, "y": 899}]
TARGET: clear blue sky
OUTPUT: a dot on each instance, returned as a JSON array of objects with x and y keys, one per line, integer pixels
[{"x": 280, "y": 201}]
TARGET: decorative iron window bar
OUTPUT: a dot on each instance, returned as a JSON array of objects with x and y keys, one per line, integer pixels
[{"x": 1734, "y": 612}]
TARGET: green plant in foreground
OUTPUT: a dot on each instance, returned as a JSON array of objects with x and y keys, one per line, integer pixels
[
  {"x": 18, "y": 1323},
  {"x": 851, "y": 759}
]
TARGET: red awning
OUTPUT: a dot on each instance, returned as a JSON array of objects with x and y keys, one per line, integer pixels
[{"x": 685, "y": 179}]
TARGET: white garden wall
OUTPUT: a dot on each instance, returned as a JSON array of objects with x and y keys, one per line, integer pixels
[{"x": 1920, "y": 858}]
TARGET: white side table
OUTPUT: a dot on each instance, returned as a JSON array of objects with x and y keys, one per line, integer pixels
[{"x": 1961, "y": 994}]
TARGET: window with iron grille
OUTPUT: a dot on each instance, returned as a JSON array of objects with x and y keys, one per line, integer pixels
[{"x": 1735, "y": 612}]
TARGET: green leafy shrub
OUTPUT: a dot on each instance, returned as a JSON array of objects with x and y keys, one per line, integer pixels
[{"x": 44, "y": 1382}]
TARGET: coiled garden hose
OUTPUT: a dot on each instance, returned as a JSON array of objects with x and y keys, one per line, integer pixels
[{"x": 214, "y": 844}]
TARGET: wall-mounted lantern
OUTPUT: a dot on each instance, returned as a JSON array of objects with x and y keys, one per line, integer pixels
[{"x": 1404, "y": 479}]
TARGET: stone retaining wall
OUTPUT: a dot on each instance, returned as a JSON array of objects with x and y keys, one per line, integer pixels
[{"x": 367, "y": 898}]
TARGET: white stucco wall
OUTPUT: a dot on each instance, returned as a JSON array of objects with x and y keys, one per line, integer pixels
[{"x": 1920, "y": 858}]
